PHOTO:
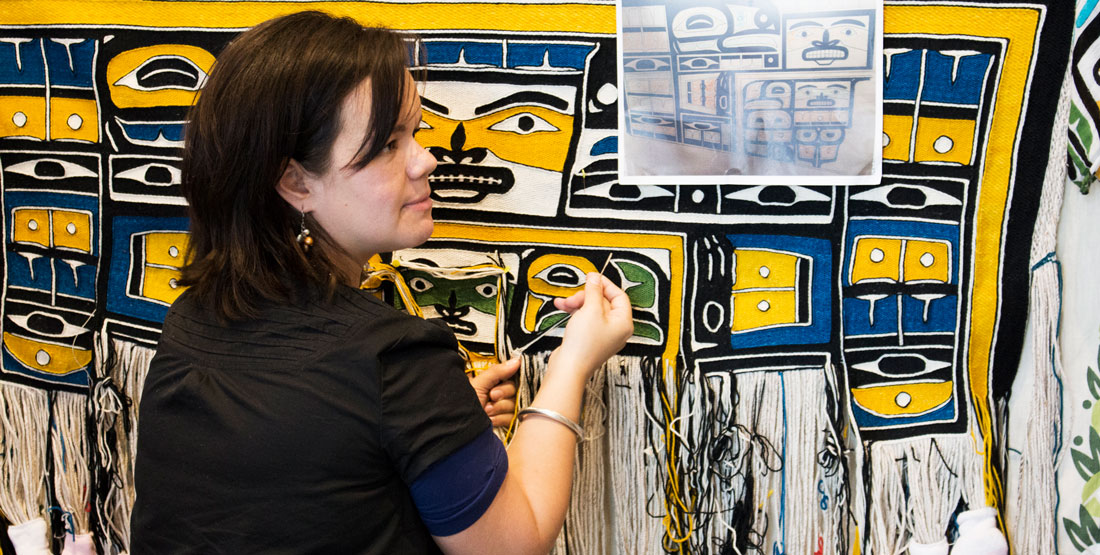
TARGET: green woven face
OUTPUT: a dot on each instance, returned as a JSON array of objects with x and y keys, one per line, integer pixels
[{"x": 452, "y": 298}]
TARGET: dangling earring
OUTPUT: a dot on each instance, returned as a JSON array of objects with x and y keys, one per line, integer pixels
[{"x": 303, "y": 235}]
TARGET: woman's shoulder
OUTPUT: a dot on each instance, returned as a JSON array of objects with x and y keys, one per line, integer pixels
[
  {"x": 349, "y": 316},
  {"x": 353, "y": 305},
  {"x": 370, "y": 312}
]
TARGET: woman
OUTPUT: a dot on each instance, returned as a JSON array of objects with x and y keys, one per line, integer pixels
[{"x": 287, "y": 411}]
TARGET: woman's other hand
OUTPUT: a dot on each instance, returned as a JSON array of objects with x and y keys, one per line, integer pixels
[
  {"x": 496, "y": 393},
  {"x": 601, "y": 323}
]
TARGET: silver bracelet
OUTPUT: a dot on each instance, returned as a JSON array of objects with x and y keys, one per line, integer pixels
[{"x": 557, "y": 417}]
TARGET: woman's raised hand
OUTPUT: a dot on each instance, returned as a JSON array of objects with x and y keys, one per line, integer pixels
[{"x": 601, "y": 323}]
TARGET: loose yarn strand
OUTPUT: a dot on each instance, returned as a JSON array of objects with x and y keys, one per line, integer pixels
[{"x": 116, "y": 401}]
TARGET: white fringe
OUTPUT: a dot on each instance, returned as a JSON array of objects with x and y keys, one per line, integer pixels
[
  {"x": 773, "y": 427},
  {"x": 635, "y": 452},
  {"x": 586, "y": 520},
  {"x": 1032, "y": 525},
  {"x": 816, "y": 508},
  {"x": 113, "y": 414},
  {"x": 71, "y": 474},
  {"x": 888, "y": 518},
  {"x": 760, "y": 411},
  {"x": 24, "y": 421},
  {"x": 798, "y": 494},
  {"x": 916, "y": 485}
]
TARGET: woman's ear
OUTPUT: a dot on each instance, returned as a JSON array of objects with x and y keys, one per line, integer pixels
[{"x": 295, "y": 186}]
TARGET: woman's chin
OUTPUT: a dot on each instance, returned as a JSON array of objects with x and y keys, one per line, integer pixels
[{"x": 423, "y": 233}]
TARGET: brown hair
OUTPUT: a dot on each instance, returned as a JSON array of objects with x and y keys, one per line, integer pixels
[{"x": 275, "y": 94}]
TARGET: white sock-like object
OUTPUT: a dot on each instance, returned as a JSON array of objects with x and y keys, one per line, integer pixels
[
  {"x": 29, "y": 538},
  {"x": 938, "y": 548},
  {"x": 80, "y": 544},
  {"x": 978, "y": 534}
]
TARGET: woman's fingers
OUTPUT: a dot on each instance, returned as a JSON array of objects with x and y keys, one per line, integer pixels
[
  {"x": 493, "y": 378},
  {"x": 501, "y": 412},
  {"x": 571, "y": 303},
  {"x": 502, "y": 391}
]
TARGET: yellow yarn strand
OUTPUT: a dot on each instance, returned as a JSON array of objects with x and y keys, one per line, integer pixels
[{"x": 678, "y": 511}]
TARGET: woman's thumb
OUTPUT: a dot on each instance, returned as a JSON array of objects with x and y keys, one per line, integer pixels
[
  {"x": 496, "y": 373},
  {"x": 593, "y": 289}
]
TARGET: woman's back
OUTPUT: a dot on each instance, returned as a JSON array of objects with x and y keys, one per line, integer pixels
[{"x": 296, "y": 432}]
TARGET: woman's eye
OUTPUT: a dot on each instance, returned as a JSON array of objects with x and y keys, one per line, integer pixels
[
  {"x": 524, "y": 123},
  {"x": 392, "y": 145}
]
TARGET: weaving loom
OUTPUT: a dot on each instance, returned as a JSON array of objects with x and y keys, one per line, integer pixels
[{"x": 806, "y": 358}]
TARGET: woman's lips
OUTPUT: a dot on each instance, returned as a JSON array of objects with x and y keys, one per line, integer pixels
[{"x": 422, "y": 203}]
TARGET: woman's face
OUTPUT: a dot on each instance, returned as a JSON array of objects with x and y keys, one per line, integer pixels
[{"x": 384, "y": 206}]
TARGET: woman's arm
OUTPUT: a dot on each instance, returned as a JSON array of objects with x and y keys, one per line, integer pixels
[{"x": 527, "y": 513}]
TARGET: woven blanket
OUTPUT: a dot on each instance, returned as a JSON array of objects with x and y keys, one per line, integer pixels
[{"x": 814, "y": 369}]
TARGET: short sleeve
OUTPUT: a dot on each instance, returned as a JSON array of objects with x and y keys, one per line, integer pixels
[
  {"x": 454, "y": 493},
  {"x": 428, "y": 409}
]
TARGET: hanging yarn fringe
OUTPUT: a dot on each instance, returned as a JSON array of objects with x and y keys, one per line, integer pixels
[
  {"x": 708, "y": 405},
  {"x": 71, "y": 469},
  {"x": 1033, "y": 527},
  {"x": 900, "y": 509},
  {"x": 670, "y": 413},
  {"x": 24, "y": 422},
  {"x": 761, "y": 412},
  {"x": 115, "y": 403},
  {"x": 816, "y": 508},
  {"x": 772, "y": 458},
  {"x": 636, "y": 447},
  {"x": 585, "y": 522}
]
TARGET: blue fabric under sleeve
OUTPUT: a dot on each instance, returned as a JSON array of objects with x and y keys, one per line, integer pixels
[{"x": 454, "y": 492}]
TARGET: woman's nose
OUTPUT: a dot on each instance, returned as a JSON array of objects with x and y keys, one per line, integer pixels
[{"x": 422, "y": 163}]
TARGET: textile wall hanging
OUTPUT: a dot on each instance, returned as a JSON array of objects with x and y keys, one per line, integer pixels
[
  {"x": 814, "y": 369},
  {"x": 1078, "y": 509}
]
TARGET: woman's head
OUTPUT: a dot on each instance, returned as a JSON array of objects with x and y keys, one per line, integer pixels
[
  {"x": 382, "y": 206},
  {"x": 265, "y": 124}
]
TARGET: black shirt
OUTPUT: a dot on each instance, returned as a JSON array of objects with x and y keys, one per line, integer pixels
[{"x": 296, "y": 432}]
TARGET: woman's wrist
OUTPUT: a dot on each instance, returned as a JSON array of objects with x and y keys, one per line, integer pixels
[
  {"x": 562, "y": 365},
  {"x": 576, "y": 427}
]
